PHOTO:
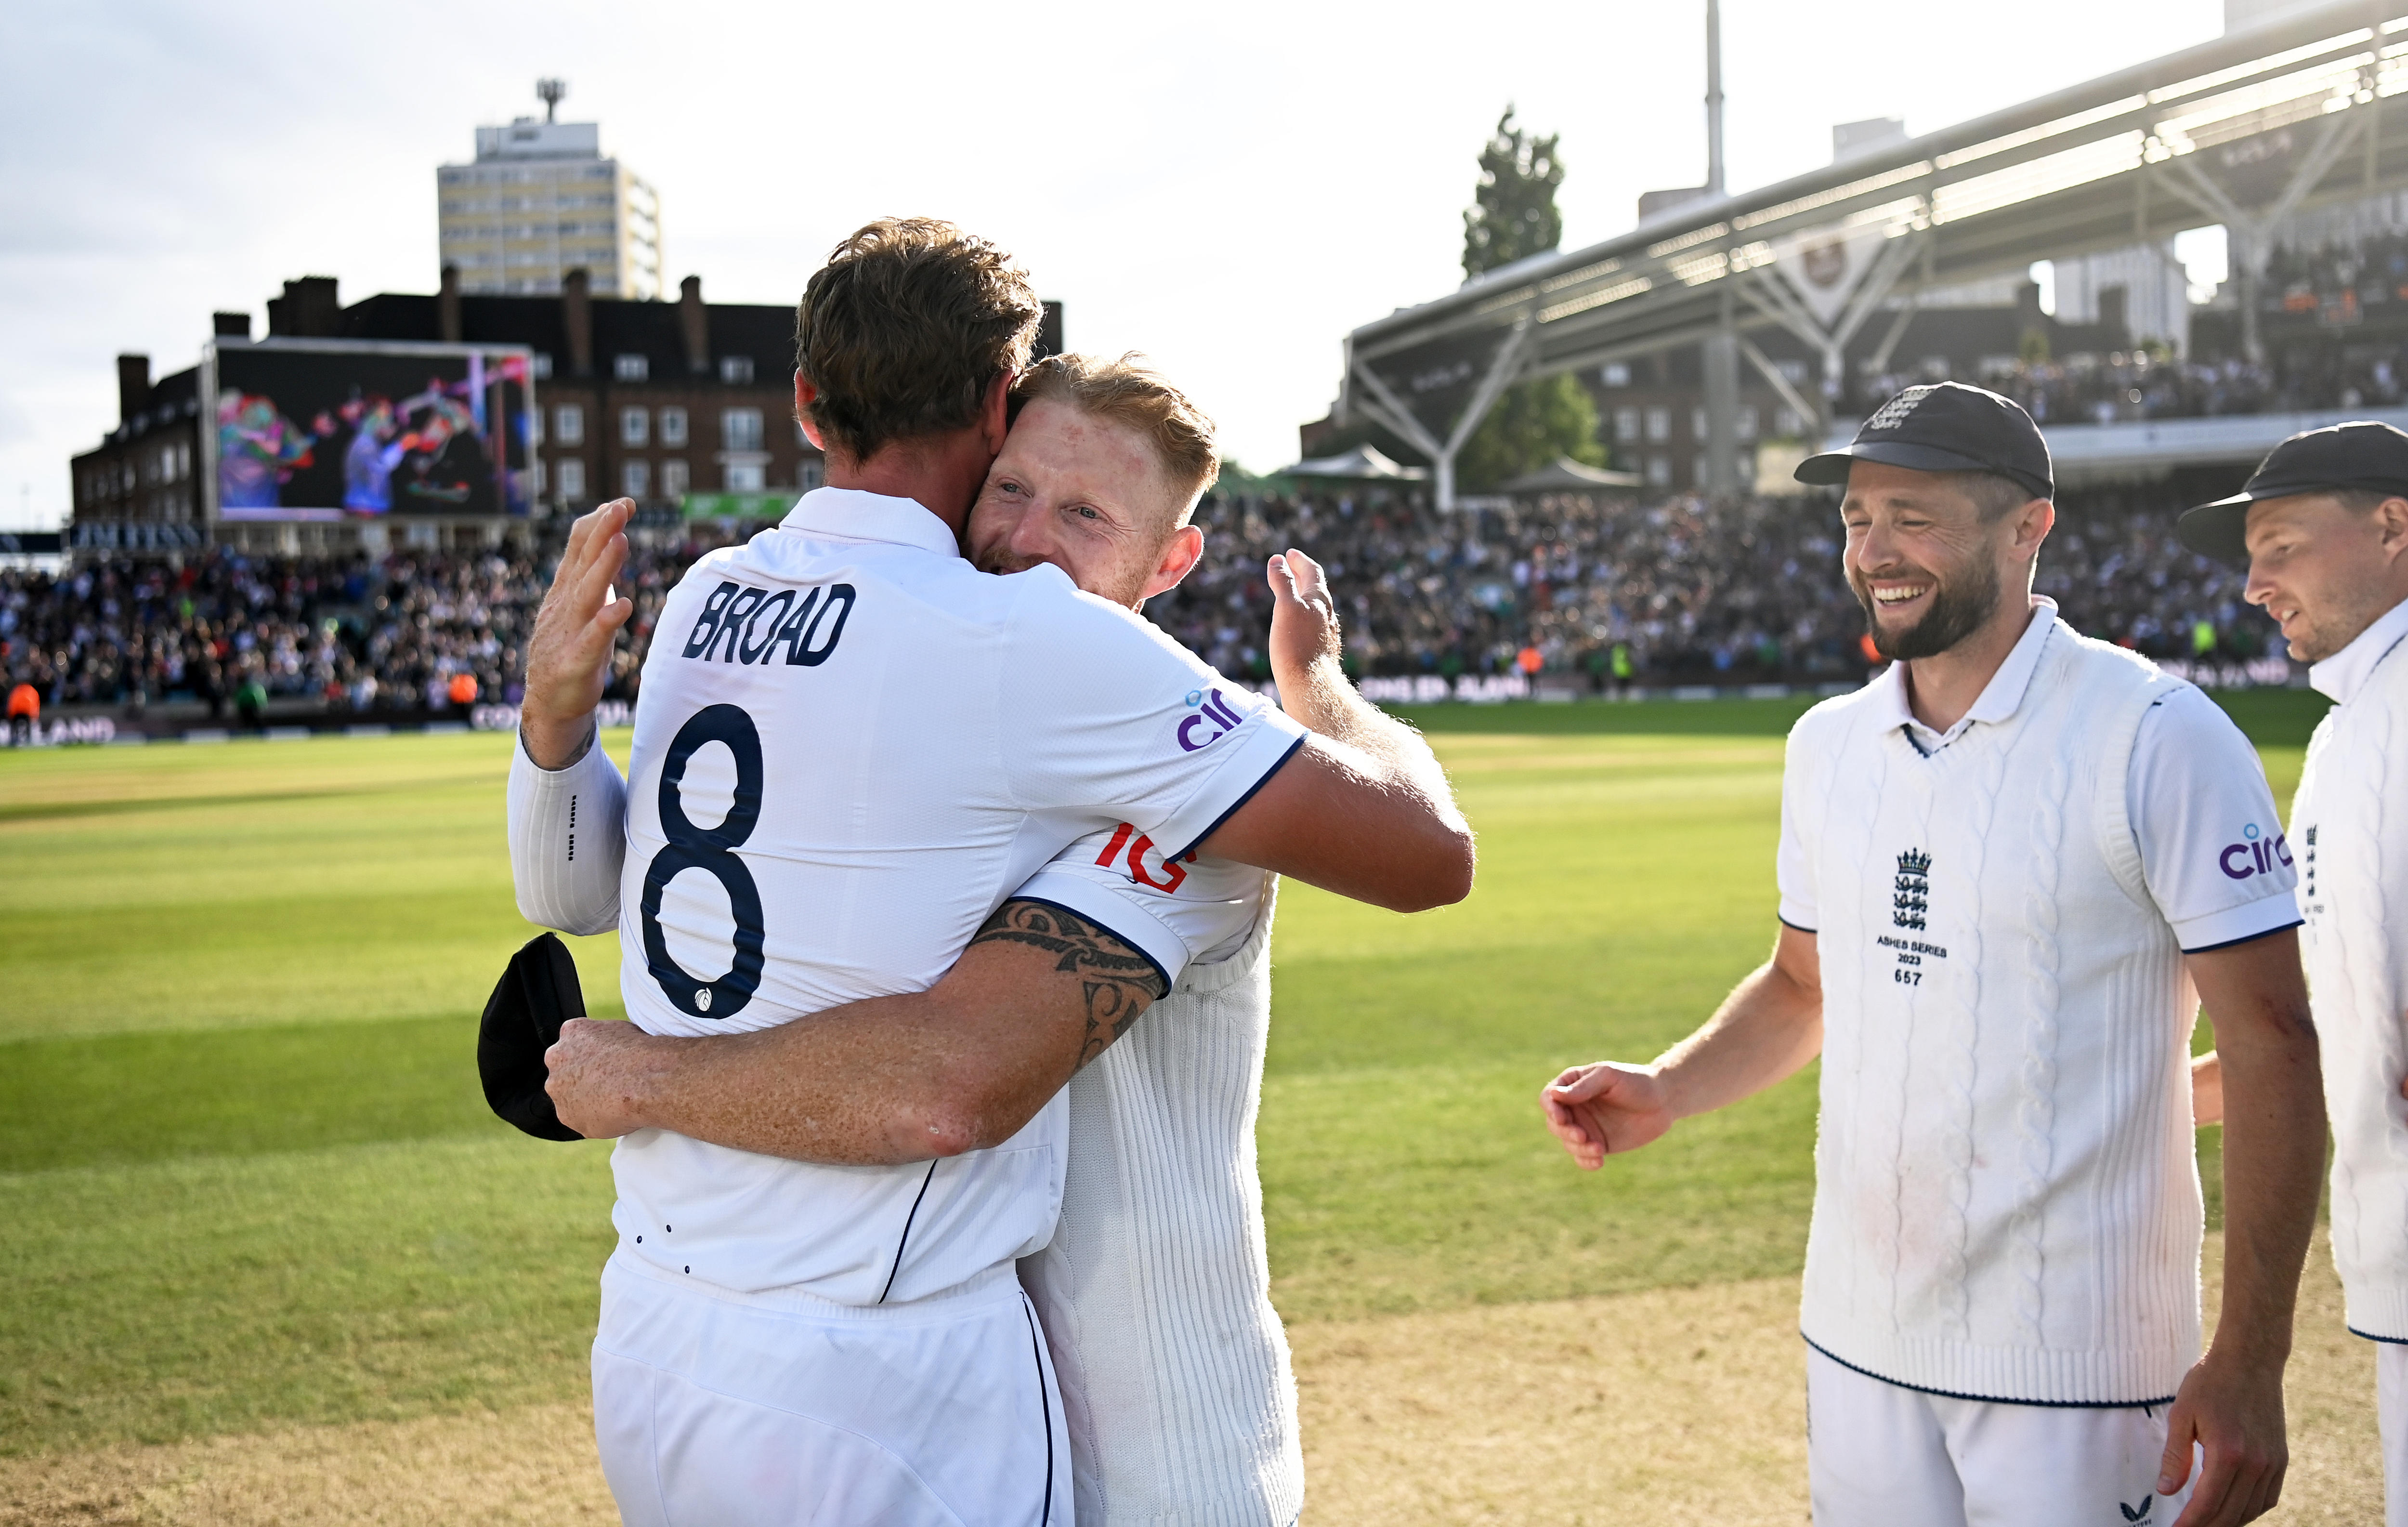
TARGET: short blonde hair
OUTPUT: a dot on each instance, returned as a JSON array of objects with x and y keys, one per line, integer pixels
[{"x": 1129, "y": 392}]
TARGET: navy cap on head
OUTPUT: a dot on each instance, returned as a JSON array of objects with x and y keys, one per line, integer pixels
[
  {"x": 2361, "y": 455},
  {"x": 1945, "y": 426}
]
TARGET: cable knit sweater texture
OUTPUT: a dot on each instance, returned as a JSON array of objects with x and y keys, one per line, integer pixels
[
  {"x": 1156, "y": 1290},
  {"x": 2007, "y": 1206},
  {"x": 2350, "y": 824}
]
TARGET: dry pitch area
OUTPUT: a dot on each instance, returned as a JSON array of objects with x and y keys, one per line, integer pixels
[
  {"x": 1673, "y": 1406},
  {"x": 270, "y": 1260}
]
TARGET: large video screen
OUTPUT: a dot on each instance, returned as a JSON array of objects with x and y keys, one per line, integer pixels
[{"x": 313, "y": 433}]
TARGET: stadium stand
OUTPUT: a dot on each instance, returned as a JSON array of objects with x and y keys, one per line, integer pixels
[{"x": 1699, "y": 592}]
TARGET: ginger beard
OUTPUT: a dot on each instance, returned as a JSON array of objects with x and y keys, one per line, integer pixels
[{"x": 1959, "y": 605}]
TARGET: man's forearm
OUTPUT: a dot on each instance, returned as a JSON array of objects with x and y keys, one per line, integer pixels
[
  {"x": 1038, "y": 993},
  {"x": 1764, "y": 1033},
  {"x": 2273, "y": 1156},
  {"x": 859, "y": 1087},
  {"x": 567, "y": 833},
  {"x": 1322, "y": 700}
]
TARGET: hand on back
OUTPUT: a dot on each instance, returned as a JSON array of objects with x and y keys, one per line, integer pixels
[{"x": 569, "y": 656}]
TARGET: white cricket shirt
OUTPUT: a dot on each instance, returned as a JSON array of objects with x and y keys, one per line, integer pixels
[
  {"x": 2351, "y": 815},
  {"x": 2211, "y": 850},
  {"x": 851, "y": 747}
]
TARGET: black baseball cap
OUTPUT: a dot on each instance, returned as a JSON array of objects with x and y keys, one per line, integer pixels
[
  {"x": 2361, "y": 455},
  {"x": 538, "y": 993},
  {"x": 1945, "y": 426}
]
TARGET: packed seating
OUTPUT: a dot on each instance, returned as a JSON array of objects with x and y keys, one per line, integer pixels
[{"x": 1693, "y": 591}]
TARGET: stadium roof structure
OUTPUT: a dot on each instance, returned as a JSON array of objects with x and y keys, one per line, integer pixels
[{"x": 2243, "y": 131}]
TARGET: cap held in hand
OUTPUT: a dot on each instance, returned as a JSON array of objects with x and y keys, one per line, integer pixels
[{"x": 537, "y": 994}]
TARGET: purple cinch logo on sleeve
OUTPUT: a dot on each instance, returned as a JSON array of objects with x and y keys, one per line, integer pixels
[
  {"x": 2257, "y": 855},
  {"x": 1208, "y": 711}
]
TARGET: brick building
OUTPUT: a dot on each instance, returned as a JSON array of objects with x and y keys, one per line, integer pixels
[{"x": 656, "y": 401}]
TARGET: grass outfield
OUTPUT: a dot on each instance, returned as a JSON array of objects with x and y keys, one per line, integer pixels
[{"x": 250, "y": 1181}]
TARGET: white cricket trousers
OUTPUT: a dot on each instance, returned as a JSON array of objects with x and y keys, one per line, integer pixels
[
  {"x": 2391, "y": 1408},
  {"x": 1879, "y": 1454},
  {"x": 718, "y": 1409}
]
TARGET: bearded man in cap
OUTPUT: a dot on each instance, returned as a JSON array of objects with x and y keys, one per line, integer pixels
[
  {"x": 2323, "y": 528},
  {"x": 2001, "y": 889}
]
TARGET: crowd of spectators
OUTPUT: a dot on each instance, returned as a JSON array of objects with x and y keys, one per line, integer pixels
[
  {"x": 1652, "y": 591},
  {"x": 1691, "y": 590},
  {"x": 245, "y": 635},
  {"x": 2149, "y": 383}
]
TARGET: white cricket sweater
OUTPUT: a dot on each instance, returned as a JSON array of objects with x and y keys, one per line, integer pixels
[
  {"x": 1156, "y": 1291},
  {"x": 2007, "y": 1206},
  {"x": 2350, "y": 820}
]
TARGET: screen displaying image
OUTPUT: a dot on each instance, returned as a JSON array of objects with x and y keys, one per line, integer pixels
[{"x": 316, "y": 434}]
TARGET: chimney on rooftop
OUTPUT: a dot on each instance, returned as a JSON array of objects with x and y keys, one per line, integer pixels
[
  {"x": 577, "y": 316},
  {"x": 308, "y": 309},
  {"x": 447, "y": 306},
  {"x": 230, "y": 325},
  {"x": 694, "y": 326},
  {"x": 133, "y": 386}
]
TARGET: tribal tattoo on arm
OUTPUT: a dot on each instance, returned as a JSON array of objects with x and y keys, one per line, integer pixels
[{"x": 1120, "y": 983}]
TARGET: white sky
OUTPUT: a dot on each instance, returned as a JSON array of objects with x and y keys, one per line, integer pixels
[{"x": 1230, "y": 188}]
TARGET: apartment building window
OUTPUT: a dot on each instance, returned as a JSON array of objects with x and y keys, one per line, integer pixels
[
  {"x": 808, "y": 474},
  {"x": 572, "y": 478},
  {"x": 1614, "y": 373},
  {"x": 569, "y": 424},
  {"x": 1625, "y": 424},
  {"x": 635, "y": 478},
  {"x": 631, "y": 369},
  {"x": 672, "y": 426},
  {"x": 737, "y": 370},
  {"x": 541, "y": 365},
  {"x": 1659, "y": 428},
  {"x": 1659, "y": 471},
  {"x": 634, "y": 426},
  {"x": 1786, "y": 423},
  {"x": 746, "y": 476},
  {"x": 1746, "y": 421},
  {"x": 535, "y": 468},
  {"x": 739, "y": 430},
  {"x": 677, "y": 480}
]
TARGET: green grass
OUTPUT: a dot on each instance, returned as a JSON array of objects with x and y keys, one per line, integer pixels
[{"x": 248, "y": 1177}]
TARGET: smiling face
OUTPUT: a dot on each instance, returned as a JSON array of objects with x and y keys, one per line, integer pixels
[
  {"x": 1928, "y": 562},
  {"x": 1088, "y": 495},
  {"x": 2325, "y": 570}
]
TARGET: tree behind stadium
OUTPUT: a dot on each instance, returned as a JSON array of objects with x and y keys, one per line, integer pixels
[{"x": 1512, "y": 217}]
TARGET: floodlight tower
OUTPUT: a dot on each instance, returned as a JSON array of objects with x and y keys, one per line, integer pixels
[
  {"x": 1722, "y": 473},
  {"x": 551, "y": 92}
]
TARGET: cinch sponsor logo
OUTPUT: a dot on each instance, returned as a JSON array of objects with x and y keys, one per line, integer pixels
[
  {"x": 1211, "y": 712},
  {"x": 1139, "y": 847},
  {"x": 2257, "y": 855}
]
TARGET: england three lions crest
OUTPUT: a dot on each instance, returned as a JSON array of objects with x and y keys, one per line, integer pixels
[{"x": 1909, "y": 904}]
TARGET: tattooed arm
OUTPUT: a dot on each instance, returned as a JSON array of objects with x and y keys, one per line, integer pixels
[{"x": 1038, "y": 993}]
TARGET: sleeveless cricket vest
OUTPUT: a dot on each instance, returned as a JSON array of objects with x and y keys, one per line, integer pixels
[
  {"x": 2007, "y": 1203},
  {"x": 1156, "y": 1291}
]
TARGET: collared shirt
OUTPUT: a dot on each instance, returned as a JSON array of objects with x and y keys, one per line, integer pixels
[
  {"x": 2195, "y": 795},
  {"x": 2341, "y": 676}
]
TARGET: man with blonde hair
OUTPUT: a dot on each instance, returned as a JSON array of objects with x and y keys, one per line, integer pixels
[{"x": 811, "y": 1314}]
